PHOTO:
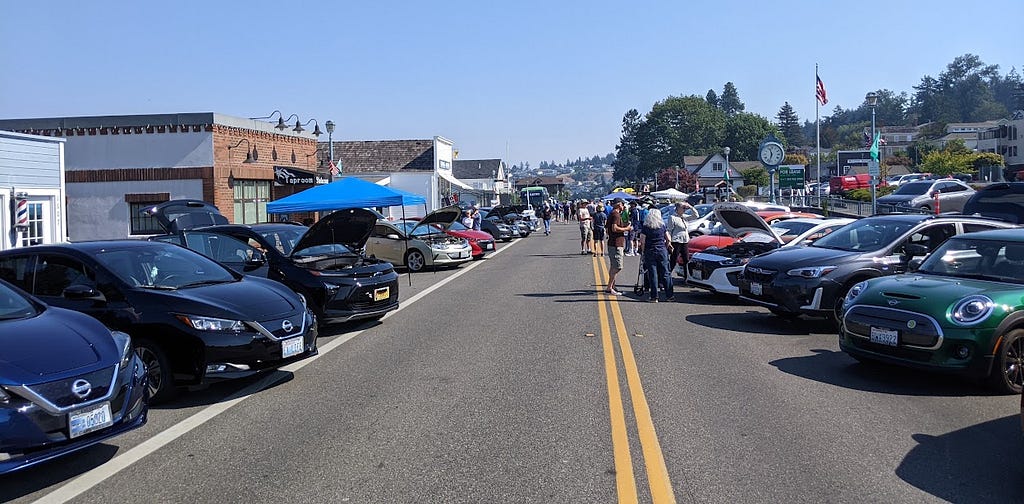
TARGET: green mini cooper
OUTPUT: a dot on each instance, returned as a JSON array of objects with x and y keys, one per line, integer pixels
[{"x": 961, "y": 311}]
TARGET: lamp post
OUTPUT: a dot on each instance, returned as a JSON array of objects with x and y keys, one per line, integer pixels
[
  {"x": 330, "y": 149},
  {"x": 726, "y": 151},
  {"x": 872, "y": 100}
]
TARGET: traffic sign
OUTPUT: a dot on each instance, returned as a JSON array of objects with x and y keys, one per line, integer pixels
[{"x": 873, "y": 168}]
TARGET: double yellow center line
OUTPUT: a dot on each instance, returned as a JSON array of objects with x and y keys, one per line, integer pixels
[{"x": 654, "y": 461}]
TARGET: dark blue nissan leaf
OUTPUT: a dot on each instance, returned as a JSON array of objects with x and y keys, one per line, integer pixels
[{"x": 66, "y": 381}]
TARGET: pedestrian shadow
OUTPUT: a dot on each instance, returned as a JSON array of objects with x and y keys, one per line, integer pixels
[
  {"x": 941, "y": 465},
  {"x": 579, "y": 294},
  {"x": 758, "y": 322},
  {"x": 838, "y": 369},
  {"x": 563, "y": 256},
  {"x": 53, "y": 472}
]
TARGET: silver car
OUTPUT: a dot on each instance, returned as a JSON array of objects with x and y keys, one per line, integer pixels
[
  {"x": 418, "y": 244},
  {"x": 921, "y": 195}
]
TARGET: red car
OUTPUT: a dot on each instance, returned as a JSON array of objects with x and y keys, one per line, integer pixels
[
  {"x": 720, "y": 238},
  {"x": 480, "y": 242}
]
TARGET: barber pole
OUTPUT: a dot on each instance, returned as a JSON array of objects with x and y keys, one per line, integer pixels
[{"x": 21, "y": 213}]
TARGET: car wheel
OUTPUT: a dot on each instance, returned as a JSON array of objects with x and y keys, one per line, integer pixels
[
  {"x": 158, "y": 370},
  {"x": 1008, "y": 369},
  {"x": 924, "y": 208},
  {"x": 415, "y": 261},
  {"x": 837, "y": 306}
]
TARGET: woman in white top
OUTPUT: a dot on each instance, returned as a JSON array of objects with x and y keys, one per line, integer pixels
[{"x": 676, "y": 227}]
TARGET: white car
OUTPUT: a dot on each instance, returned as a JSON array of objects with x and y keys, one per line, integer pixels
[
  {"x": 718, "y": 270},
  {"x": 418, "y": 244}
]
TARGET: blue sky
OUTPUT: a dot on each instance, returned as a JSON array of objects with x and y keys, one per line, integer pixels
[{"x": 546, "y": 80}]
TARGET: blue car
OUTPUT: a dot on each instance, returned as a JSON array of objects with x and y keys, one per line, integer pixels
[{"x": 66, "y": 381}]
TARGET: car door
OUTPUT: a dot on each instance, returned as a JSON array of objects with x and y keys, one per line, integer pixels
[
  {"x": 929, "y": 236},
  {"x": 955, "y": 195},
  {"x": 229, "y": 251},
  {"x": 56, "y": 276},
  {"x": 385, "y": 243}
]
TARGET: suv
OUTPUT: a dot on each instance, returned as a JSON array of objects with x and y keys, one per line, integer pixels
[
  {"x": 814, "y": 280},
  {"x": 920, "y": 194},
  {"x": 1002, "y": 200}
]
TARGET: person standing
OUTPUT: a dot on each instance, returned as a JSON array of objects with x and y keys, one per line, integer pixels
[
  {"x": 655, "y": 246},
  {"x": 585, "y": 220},
  {"x": 617, "y": 229},
  {"x": 600, "y": 222},
  {"x": 545, "y": 213},
  {"x": 477, "y": 218},
  {"x": 679, "y": 234},
  {"x": 635, "y": 223}
]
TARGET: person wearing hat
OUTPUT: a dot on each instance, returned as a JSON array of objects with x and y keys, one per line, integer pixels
[
  {"x": 617, "y": 230},
  {"x": 635, "y": 221},
  {"x": 585, "y": 220}
]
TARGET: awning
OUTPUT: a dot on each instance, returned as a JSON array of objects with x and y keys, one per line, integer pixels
[{"x": 451, "y": 178}]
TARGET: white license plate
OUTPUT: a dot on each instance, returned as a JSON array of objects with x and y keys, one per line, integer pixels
[
  {"x": 488, "y": 246},
  {"x": 381, "y": 294},
  {"x": 92, "y": 419},
  {"x": 696, "y": 274},
  {"x": 756, "y": 289},
  {"x": 888, "y": 337},
  {"x": 290, "y": 347}
]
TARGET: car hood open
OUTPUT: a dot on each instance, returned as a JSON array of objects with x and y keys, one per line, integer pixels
[
  {"x": 179, "y": 215},
  {"x": 350, "y": 227},
  {"x": 739, "y": 220},
  {"x": 442, "y": 216}
]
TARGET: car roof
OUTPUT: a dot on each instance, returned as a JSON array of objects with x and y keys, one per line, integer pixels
[
  {"x": 89, "y": 246},
  {"x": 1015, "y": 234}
]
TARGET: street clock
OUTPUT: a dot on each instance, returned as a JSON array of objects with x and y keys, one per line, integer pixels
[{"x": 771, "y": 152}]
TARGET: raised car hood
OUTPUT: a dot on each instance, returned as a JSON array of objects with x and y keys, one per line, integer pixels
[
  {"x": 350, "y": 227},
  {"x": 739, "y": 220},
  {"x": 179, "y": 215},
  {"x": 442, "y": 216}
]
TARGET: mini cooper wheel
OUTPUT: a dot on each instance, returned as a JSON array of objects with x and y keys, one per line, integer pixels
[
  {"x": 1008, "y": 369},
  {"x": 415, "y": 260},
  {"x": 158, "y": 370}
]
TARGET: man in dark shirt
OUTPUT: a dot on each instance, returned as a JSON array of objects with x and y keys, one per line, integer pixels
[{"x": 617, "y": 230}]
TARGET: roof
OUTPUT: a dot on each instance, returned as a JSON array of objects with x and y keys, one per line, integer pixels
[
  {"x": 475, "y": 168},
  {"x": 538, "y": 181},
  {"x": 1010, "y": 235},
  {"x": 377, "y": 156},
  {"x": 195, "y": 120}
]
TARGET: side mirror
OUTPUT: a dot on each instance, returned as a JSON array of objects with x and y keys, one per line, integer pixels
[
  {"x": 257, "y": 260},
  {"x": 83, "y": 292},
  {"x": 915, "y": 263},
  {"x": 393, "y": 236},
  {"x": 915, "y": 250}
]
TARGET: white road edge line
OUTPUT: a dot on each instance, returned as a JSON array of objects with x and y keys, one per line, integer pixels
[{"x": 99, "y": 474}]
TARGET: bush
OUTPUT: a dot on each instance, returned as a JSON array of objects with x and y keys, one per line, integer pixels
[
  {"x": 865, "y": 194},
  {"x": 746, "y": 191}
]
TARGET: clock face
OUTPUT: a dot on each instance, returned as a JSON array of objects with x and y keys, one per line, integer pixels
[{"x": 772, "y": 154}]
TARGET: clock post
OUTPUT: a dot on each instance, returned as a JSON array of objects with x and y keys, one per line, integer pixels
[{"x": 771, "y": 153}]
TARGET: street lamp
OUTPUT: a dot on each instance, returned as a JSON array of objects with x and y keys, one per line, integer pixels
[
  {"x": 726, "y": 151},
  {"x": 248, "y": 154},
  {"x": 872, "y": 100},
  {"x": 330, "y": 149}
]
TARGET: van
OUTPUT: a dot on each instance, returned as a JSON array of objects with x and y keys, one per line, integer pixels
[{"x": 845, "y": 183}]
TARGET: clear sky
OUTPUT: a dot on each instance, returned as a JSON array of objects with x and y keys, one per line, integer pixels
[{"x": 544, "y": 80}]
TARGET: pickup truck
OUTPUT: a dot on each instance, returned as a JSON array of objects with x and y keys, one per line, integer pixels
[{"x": 845, "y": 183}]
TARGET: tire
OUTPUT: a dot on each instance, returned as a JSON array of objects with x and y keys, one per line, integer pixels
[
  {"x": 925, "y": 209},
  {"x": 837, "y": 306},
  {"x": 415, "y": 260},
  {"x": 158, "y": 368},
  {"x": 1008, "y": 367}
]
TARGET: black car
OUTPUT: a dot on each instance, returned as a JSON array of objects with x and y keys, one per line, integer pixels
[
  {"x": 324, "y": 263},
  {"x": 1001, "y": 200},
  {"x": 512, "y": 216},
  {"x": 496, "y": 226},
  {"x": 814, "y": 280},
  {"x": 190, "y": 318},
  {"x": 66, "y": 381}
]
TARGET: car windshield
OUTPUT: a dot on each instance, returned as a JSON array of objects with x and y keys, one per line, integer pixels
[
  {"x": 413, "y": 228},
  {"x": 163, "y": 267},
  {"x": 457, "y": 226},
  {"x": 13, "y": 305},
  {"x": 866, "y": 235},
  {"x": 980, "y": 259},
  {"x": 914, "y": 188},
  {"x": 284, "y": 240},
  {"x": 788, "y": 229}
]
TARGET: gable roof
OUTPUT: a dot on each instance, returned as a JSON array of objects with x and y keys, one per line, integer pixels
[
  {"x": 376, "y": 156},
  {"x": 475, "y": 168}
]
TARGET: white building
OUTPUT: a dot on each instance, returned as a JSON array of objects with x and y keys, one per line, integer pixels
[{"x": 32, "y": 177}]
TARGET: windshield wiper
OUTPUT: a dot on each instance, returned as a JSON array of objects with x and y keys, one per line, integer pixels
[
  {"x": 158, "y": 287},
  {"x": 204, "y": 282}
]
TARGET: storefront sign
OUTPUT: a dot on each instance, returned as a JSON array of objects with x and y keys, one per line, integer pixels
[{"x": 284, "y": 175}]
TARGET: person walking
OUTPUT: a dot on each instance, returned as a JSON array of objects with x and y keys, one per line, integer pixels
[
  {"x": 679, "y": 234},
  {"x": 600, "y": 222},
  {"x": 545, "y": 213},
  {"x": 655, "y": 246},
  {"x": 617, "y": 228},
  {"x": 585, "y": 220}
]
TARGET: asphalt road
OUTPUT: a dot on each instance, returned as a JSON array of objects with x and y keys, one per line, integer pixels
[{"x": 512, "y": 380}]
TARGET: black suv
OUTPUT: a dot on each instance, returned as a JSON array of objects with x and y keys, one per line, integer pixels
[
  {"x": 813, "y": 280},
  {"x": 1002, "y": 200}
]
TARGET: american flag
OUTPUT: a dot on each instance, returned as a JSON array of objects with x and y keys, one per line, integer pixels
[
  {"x": 334, "y": 169},
  {"x": 822, "y": 97}
]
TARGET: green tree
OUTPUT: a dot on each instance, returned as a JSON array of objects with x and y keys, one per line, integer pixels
[
  {"x": 677, "y": 126},
  {"x": 789, "y": 126},
  {"x": 712, "y": 98},
  {"x": 730, "y": 101},
  {"x": 953, "y": 158},
  {"x": 627, "y": 152},
  {"x": 964, "y": 92},
  {"x": 667, "y": 178},
  {"x": 743, "y": 135},
  {"x": 757, "y": 176}
]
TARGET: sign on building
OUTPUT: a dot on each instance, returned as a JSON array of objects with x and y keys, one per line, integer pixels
[{"x": 791, "y": 176}]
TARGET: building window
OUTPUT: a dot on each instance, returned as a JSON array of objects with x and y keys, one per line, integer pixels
[
  {"x": 717, "y": 166},
  {"x": 251, "y": 198},
  {"x": 444, "y": 164},
  {"x": 34, "y": 234},
  {"x": 141, "y": 224}
]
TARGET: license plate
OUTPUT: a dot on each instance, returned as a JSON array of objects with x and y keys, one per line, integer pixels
[
  {"x": 756, "y": 289},
  {"x": 488, "y": 246},
  {"x": 381, "y": 294},
  {"x": 696, "y": 274},
  {"x": 888, "y": 337},
  {"x": 92, "y": 419},
  {"x": 290, "y": 347}
]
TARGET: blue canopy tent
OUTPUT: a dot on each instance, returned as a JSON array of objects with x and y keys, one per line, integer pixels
[
  {"x": 619, "y": 194},
  {"x": 348, "y": 192}
]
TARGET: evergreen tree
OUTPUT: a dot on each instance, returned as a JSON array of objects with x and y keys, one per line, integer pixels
[
  {"x": 712, "y": 98},
  {"x": 627, "y": 152},
  {"x": 730, "y": 101},
  {"x": 789, "y": 126}
]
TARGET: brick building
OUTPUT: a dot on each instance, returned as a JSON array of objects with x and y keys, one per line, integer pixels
[{"x": 117, "y": 165}]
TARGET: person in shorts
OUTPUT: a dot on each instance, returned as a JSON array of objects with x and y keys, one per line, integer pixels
[
  {"x": 586, "y": 233},
  {"x": 617, "y": 229},
  {"x": 600, "y": 222}
]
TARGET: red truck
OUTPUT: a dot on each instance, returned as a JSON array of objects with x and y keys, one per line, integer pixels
[{"x": 850, "y": 182}]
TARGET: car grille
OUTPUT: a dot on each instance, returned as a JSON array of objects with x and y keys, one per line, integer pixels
[
  {"x": 925, "y": 333},
  {"x": 59, "y": 393},
  {"x": 362, "y": 297},
  {"x": 759, "y": 275},
  {"x": 276, "y": 326}
]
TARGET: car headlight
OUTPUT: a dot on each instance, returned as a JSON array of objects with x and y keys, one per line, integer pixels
[
  {"x": 124, "y": 344},
  {"x": 812, "y": 272},
  {"x": 854, "y": 292},
  {"x": 734, "y": 261},
  {"x": 971, "y": 310},
  {"x": 3, "y": 395},
  {"x": 211, "y": 324}
]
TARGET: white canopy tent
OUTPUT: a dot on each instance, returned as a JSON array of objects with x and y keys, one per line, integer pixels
[{"x": 670, "y": 193}]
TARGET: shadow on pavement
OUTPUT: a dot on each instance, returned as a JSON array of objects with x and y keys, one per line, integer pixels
[
  {"x": 52, "y": 473},
  {"x": 837, "y": 368},
  {"x": 758, "y": 322},
  {"x": 980, "y": 463},
  {"x": 221, "y": 391}
]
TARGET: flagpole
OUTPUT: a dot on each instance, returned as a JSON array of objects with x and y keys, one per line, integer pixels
[{"x": 817, "y": 133}]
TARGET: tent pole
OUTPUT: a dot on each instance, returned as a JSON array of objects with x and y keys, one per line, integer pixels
[{"x": 408, "y": 271}]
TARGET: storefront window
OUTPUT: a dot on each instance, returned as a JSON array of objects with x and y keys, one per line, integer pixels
[
  {"x": 34, "y": 234},
  {"x": 251, "y": 198}
]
